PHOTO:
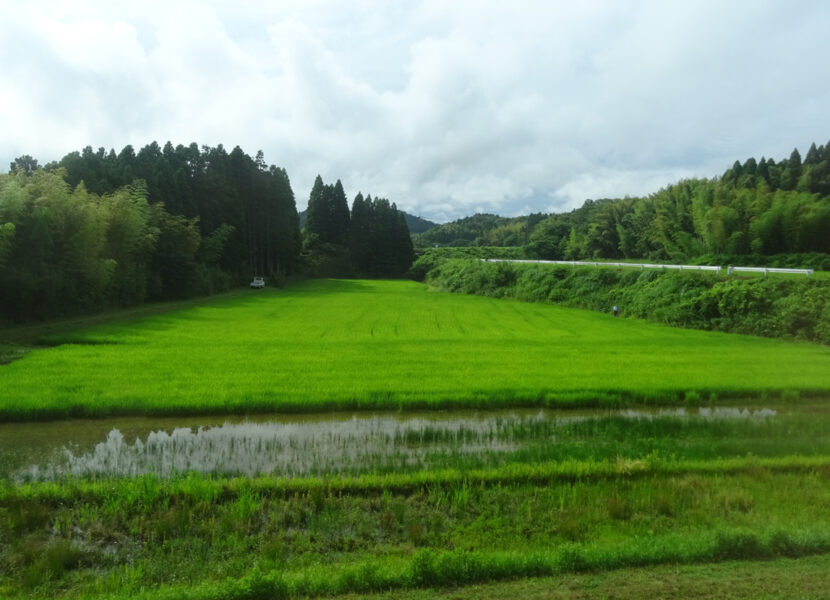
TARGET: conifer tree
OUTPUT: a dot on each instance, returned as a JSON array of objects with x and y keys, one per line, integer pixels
[
  {"x": 316, "y": 217},
  {"x": 339, "y": 211},
  {"x": 812, "y": 155},
  {"x": 794, "y": 164},
  {"x": 360, "y": 233},
  {"x": 763, "y": 169}
]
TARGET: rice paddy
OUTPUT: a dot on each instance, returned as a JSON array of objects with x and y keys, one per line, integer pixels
[
  {"x": 571, "y": 449},
  {"x": 344, "y": 345}
]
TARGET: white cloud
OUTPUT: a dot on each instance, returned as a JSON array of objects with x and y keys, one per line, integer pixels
[{"x": 445, "y": 108}]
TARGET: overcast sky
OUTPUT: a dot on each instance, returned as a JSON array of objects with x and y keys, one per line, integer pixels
[{"x": 445, "y": 107}]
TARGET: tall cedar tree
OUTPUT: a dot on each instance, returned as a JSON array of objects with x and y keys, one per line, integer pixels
[{"x": 316, "y": 215}]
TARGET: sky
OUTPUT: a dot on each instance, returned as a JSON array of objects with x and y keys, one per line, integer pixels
[{"x": 446, "y": 108}]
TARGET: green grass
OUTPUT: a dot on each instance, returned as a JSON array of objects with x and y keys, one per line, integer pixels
[
  {"x": 782, "y": 579},
  {"x": 226, "y": 538},
  {"x": 338, "y": 344}
]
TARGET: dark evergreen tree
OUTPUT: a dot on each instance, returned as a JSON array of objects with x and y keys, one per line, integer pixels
[
  {"x": 763, "y": 170},
  {"x": 812, "y": 156},
  {"x": 338, "y": 232},
  {"x": 402, "y": 243},
  {"x": 360, "y": 234},
  {"x": 327, "y": 218},
  {"x": 316, "y": 223},
  {"x": 736, "y": 171},
  {"x": 792, "y": 171}
]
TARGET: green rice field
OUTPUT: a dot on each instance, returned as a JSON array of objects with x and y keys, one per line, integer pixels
[
  {"x": 343, "y": 344},
  {"x": 376, "y": 439}
]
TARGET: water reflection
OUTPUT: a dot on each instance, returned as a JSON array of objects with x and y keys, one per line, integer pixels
[{"x": 362, "y": 443}]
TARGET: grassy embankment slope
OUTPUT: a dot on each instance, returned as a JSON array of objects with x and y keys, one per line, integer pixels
[
  {"x": 333, "y": 344},
  {"x": 783, "y": 306}
]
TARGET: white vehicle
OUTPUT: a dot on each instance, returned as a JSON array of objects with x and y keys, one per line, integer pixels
[{"x": 258, "y": 282}]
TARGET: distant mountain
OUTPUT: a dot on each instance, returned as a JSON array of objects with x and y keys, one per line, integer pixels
[
  {"x": 480, "y": 230},
  {"x": 418, "y": 224},
  {"x": 415, "y": 224}
]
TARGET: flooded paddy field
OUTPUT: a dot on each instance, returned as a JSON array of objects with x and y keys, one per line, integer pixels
[
  {"x": 328, "y": 504},
  {"x": 321, "y": 444}
]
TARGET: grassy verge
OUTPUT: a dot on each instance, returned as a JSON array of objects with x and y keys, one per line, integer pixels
[
  {"x": 345, "y": 345},
  {"x": 804, "y": 578},
  {"x": 240, "y": 538}
]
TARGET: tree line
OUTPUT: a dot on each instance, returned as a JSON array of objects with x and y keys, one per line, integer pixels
[
  {"x": 99, "y": 229},
  {"x": 104, "y": 229},
  {"x": 756, "y": 208},
  {"x": 371, "y": 239}
]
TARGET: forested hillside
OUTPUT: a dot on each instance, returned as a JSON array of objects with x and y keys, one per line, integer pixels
[
  {"x": 477, "y": 230},
  {"x": 418, "y": 224},
  {"x": 756, "y": 208}
]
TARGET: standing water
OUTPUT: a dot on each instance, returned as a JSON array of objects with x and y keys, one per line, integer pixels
[{"x": 296, "y": 445}]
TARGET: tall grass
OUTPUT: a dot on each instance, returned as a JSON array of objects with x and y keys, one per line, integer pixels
[
  {"x": 344, "y": 345},
  {"x": 319, "y": 537}
]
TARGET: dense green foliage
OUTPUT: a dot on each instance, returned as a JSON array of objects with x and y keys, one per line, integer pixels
[
  {"x": 785, "y": 307},
  {"x": 327, "y": 219},
  {"x": 104, "y": 230},
  {"x": 346, "y": 344},
  {"x": 379, "y": 241},
  {"x": 372, "y": 239},
  {"x": 217, "y": 187},
  {"x": 100, "y": 229},
  {"x": 480, "y": 230},
  {"x": 754, "y": 210},
  {"x": 690, "y": 219}
]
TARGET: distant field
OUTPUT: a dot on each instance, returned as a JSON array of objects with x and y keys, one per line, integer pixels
[{"x": 349, "y": 344}]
